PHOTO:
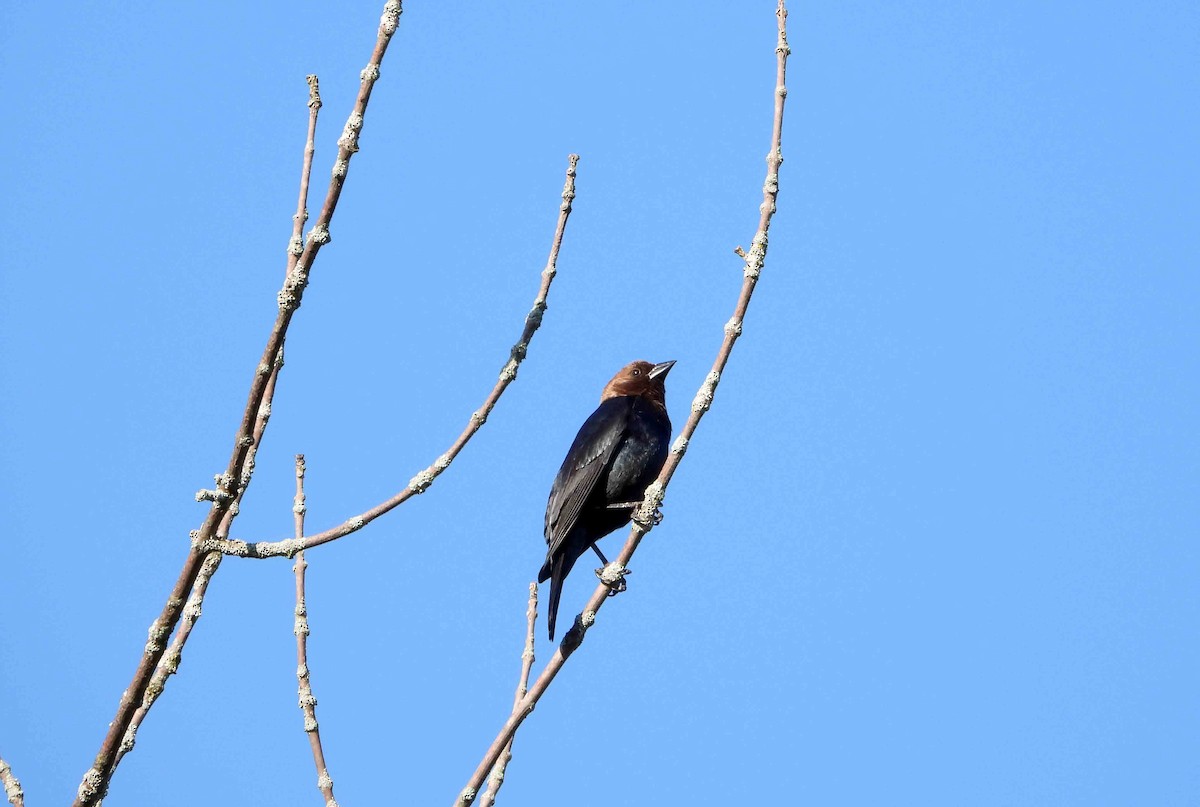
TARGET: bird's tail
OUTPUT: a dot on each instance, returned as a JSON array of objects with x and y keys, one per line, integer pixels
[{"x": 558, "y": 573}]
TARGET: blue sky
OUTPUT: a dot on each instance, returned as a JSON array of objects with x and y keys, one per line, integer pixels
[{"x": 934, "y": 544}]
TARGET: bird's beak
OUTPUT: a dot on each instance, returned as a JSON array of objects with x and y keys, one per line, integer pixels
[{"x": 661, "y": 369}]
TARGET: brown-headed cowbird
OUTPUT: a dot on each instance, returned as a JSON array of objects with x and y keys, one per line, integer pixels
[{"x": 618, "y": 452}]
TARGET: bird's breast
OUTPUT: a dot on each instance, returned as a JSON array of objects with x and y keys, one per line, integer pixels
[{"x": 640, "y": 456}]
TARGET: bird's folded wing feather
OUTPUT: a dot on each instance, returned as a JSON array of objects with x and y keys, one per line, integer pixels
[{"x": 590, "y": 454}]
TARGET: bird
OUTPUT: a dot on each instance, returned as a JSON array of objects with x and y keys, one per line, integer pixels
[{"x": 617, "y": 453}]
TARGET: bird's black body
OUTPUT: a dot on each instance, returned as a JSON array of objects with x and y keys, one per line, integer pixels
[{"x": 619, "y": 450}]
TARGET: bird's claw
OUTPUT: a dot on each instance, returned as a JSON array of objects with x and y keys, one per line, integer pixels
[
  {"x": 653, "y": 521},
  {"x": 613, "y": 576}
]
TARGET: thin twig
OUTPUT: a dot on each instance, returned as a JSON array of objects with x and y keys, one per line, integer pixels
[
  {"x": 169, "y": 664},
  {"x": 241, "y": 464},
  {"x": 643, "y": 519},
  {"x": 421, "y": 482},
  {"x": 308, "y": 701},
  {"x": 496, "y": 779},
  {"x": 12, "y": 786},
  {"x": 296, "y": 244}
]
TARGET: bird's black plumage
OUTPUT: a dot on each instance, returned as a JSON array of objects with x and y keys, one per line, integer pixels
[{"x": 619, "y": 450}]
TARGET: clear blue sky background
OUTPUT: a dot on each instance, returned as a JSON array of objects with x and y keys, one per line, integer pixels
[{"x": 936, "y": 542}]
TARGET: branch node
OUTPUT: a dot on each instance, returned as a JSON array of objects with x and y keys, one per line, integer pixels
[
  {"x": 680, "y": 445},
  {"x": 314, "y": 91},
  {"x": 647, "y": 515},
  {"x": 90, "y": 786},
  {"x": 301, "y": 627},
  {"x": 613, "y": 576},
  {"x": 297, "y": 278},
  {"x": 704, "y": 396},
  {"x": 421, "y": 482},
  {"x": 206, "y": 495},
  {"x": 157, "y": 634},
  {"x": 319, "y": 233},
  {"x": 391, "y": 18},
  {"x": 129, "y": 740},
  {"x": 192, "y": 611},
  {"x": 287, "y": 300},
  {"x": 568, "y": 193},
  {"x": 247, "y": 468},
  {"x": 349, "y": 139}
]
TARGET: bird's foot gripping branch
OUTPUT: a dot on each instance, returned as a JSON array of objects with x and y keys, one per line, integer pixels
[{"x": 613, "y": 575}]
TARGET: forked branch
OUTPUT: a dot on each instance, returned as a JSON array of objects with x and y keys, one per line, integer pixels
[
  {"x": 496, "y": 779},
  {"x": 421, "y": 482},
  {"x": 236, "y": 478}
]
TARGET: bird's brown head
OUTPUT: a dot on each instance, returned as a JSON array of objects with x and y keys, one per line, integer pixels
[{"x": 640, "y": 378}]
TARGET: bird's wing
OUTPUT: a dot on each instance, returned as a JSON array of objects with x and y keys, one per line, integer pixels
[{"x": 589, "y": 455}]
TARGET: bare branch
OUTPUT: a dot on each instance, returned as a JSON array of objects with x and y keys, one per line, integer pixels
[
  {"x": 496, "y": 779},
  {"x": 644, "y": 517},
  {"x": 12, "y": 787},
  {"x": 296, "y": 244},
  {"x": 421, "y": 482},
  {"x": 169, "y": 664},
  {"x": 308, "y": 701},
  {"x": 240, "y": 468}
]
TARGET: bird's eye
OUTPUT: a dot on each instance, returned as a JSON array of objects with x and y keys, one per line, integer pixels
[{"x": 637, "y": 372}]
